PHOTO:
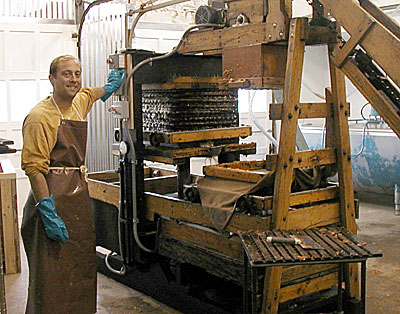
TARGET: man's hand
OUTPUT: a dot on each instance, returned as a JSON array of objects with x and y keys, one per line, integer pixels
[
  {"x": 53, "y": 225},
  {"x": 114, "y": 81}
]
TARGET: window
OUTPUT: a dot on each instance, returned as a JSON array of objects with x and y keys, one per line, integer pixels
[
  {"x": 45, "y": 89},
  {"x": 23, "y": 98},
  {"x": 3, "y": 102}
]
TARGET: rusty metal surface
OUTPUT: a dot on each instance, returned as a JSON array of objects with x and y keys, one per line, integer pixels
[
  {"x": 189, "y": 109},
  {"x": 338, "y": 243}
]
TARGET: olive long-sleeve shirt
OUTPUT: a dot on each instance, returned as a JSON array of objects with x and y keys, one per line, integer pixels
[{"x": 40, "y": 128}]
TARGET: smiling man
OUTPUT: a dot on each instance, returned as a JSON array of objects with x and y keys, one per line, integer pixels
[{"x": 57, "y": 227}]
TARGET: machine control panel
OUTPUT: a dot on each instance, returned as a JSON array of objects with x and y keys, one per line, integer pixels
[
  {"x": 120, "y": 109},
  {"x": 116, "y": 61}
]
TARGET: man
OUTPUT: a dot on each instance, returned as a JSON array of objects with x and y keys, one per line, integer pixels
[{"x": 57, "y": 227}]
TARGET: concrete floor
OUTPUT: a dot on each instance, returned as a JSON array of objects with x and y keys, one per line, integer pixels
[
  {"x": 378, "y": 226},
  {"x": 381, "y": 228}
]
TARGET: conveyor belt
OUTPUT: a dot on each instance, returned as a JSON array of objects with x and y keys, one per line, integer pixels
[{"x": 338, "y": 243}]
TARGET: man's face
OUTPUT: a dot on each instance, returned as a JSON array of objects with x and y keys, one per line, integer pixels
[{"x": 67, "y": 81}]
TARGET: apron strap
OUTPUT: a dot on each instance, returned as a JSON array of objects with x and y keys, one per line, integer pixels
[
  {"x": 83, "y": 169},
  {"x": 73, "y": 106},
  {"x": 77, "y": 112}
]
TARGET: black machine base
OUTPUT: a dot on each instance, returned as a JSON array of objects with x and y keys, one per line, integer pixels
[{"x": 204, "y": 293}]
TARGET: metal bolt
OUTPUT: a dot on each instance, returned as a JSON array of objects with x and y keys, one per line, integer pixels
[
  {"x": 348, "y": 158},
  {"x": 300, "y": 160},
  {"x": 296, "y": 107},
  {"x": 290, "y": 158},
  {"x": 285, "y": 165},
  {"x": 269, "y": 36},
  {"x": 291, "y": 35},
  {"x": 281, "y": 34},
  {"x": 346, "y": 113},
  {"x": 290, "y": 116},
  {"x": 274, "y": 25},
  {"x": 344, "y": 153}
]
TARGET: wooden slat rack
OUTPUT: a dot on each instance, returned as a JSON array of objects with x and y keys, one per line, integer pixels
[{"x": 339, "y": 246}]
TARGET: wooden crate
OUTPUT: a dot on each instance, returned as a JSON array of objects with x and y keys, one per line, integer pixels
[
  {"x": 9, "y": 215},
  {"x": 2, "y": 283}
]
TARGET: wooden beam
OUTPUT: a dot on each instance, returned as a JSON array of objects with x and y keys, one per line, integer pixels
[
  {"x": 304, "y": 159},
  {"x": 161, "y": 185},
  {"x": 382, "y": 104},
  {"x": 306, "y": 287},
  {"x": 229, "y": 37},
  {"x": 213, "y": 41},
  {"x": 202, "y": 135},
  {"x": 340, "y": 53},
  {"x": 206, "y": 239},
  {"x": 234, "y": 174},
  {"x": 194, "y": 213},
  {"x": 287, "y": 143},
  {"x": 198, "y": 151},
  {"x": 383, "y": 18},
  {"x": 187, "y": 82},
  {"x": 104, "y": 176},
  {"x": 290, "y": 116},
  {"x": 251, "y": 34},
  {"x": 299, "y": 198},
  {"x": 291, "y": 273},
  {"x": 314, "y": 216},
  {"x": 278, "y": 19},
  {"x": 103, "y": 191},
  {"x": 348, "y": 14},
  {"x": 343, "y": 150},
  {"x": 253, "y": 9},
  {"x": 329, "y": 125},
  {"x": 313, "y": 196},
  {"x": 306, "y": 110}
]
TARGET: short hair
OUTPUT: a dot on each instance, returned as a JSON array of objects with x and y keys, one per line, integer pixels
[{"x": 56, "y": 61}]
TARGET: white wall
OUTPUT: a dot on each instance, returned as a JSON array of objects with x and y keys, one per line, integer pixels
[{"x": 26, "y": 50}]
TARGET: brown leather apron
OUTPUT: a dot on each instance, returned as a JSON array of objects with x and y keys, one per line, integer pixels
[{"x": 62, "y": 277}]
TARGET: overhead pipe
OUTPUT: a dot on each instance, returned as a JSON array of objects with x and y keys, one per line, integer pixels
[
  {"x": 258, "y": 125},
  {"x": 90, "y": 6},
  {"x": 144, "y": 8},
  {"x": 167, "y": 55}
]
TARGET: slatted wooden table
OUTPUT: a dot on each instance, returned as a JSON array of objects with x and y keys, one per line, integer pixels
[{"x": 339, "y": 246}]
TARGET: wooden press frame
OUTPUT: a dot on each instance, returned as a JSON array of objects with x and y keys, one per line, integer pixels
[{"x": 337, "y": 138}]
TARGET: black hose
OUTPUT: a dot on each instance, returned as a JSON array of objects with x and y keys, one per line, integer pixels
[{"x": 94, "y": 3}]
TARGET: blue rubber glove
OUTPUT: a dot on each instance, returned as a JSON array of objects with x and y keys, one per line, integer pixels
[
  {"x": 114, "y": 81},
  {"x": 53, "y": 225}
]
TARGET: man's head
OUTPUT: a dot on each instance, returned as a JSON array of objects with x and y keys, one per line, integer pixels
[{"x": 65, "y": 76}]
